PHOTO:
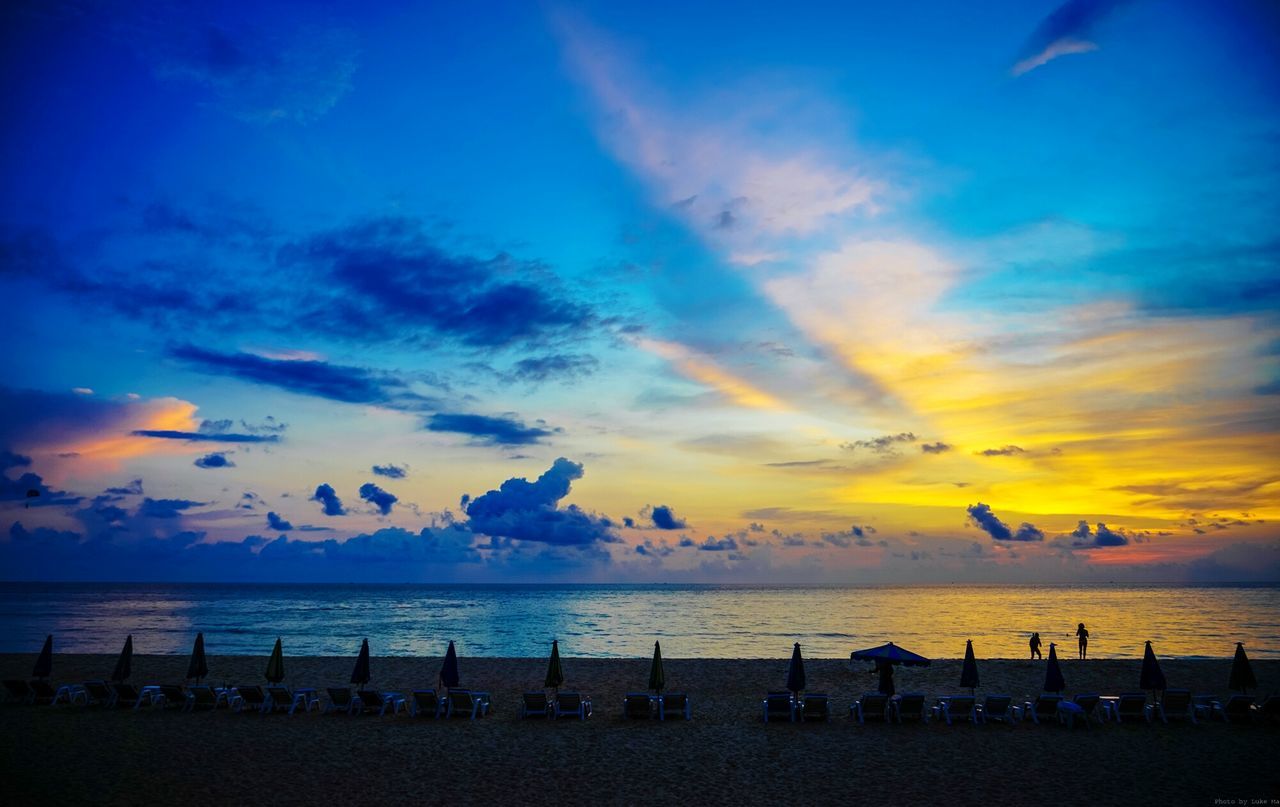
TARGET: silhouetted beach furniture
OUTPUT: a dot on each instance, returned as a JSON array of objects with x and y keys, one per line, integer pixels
[
  {"x": 1175, "y": 703},
  {"x": 1044, "y": 707},
  {"x": 534, "y": 704},
  {"x": 1132, "y": 705},
  {"x": 815, "y": 706},
  {"x": 126, "y": 695},
  {"x": 1053, "y": 681},
  {"x": 795, "y": 672},
  {"x": 94, "y": 693},
  {"x": 282, "y": 699},
  {"x": 555, "y": 672},
  {"x": 779, "y": 706},
  {"x": 969, "y": 670},
  {"x": 248, "y": 696},
  {"x": 198, "y": 666},
  {"x": 638, "y": 706},
  {"x": 340, "y": 700},
  {"x": 124, "y": 663},
  {"x": 871, "y": 706},
  {"x": 1236, "y": 709},
  {"x": 449, "y": 669},
  {"x": 1269, "y": 710},
  {"x": 675, "y": 704},
  {"x": 892, "y": 654},
  {"x": 467, "y": 703},
  {"x": 571, "y": 704},
  {"x": 372, "y": 701},
  {"x": 657, "y": 673},
  {"x": 17, "y": 691},
  {"x": 203, "y": 697},
  {"x": 170, "y": 696},
  {"x": 998, "y": 707},
  {"x": 1151, "y": 677},
  {"x": 275, "y": 664},
  {"x": 910, "y": 706},
  {"x": 1086, "y": 709},
  {"x": 1242, "y": 677},
  {"x": 426, "y": 703},
  {"x": 43, "y": 667},
  {"x": 958, "y": 708},
  {"x": 360, "y": 674}
]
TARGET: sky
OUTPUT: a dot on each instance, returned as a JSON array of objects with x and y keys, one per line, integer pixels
[{"x": 613, "y": 292}]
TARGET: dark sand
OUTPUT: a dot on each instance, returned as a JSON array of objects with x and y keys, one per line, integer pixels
[{"x": 73, "y": 755}]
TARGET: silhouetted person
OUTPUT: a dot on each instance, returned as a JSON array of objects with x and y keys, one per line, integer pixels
[
  {"x": 1084, "y": 639},
  {"x": 1035, "y": 646},
  {"x": 885, "y": 670}
]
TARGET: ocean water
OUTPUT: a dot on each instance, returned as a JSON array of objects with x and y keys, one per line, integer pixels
[{"x": 710, "y": 621}]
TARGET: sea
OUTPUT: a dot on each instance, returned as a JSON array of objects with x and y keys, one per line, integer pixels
[{"x": 621, "y": 621}]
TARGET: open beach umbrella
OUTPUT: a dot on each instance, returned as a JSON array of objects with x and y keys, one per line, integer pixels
[
  {"x": 124, "y": 664},
  {"x": 275, "y": 664},
  {"x": 969, "y": 672},
  {"x": 657, "y": 676},
  {"x": 795, "y": 671},
  {"x": 44, "y": 663},
  {"x": 360, "y": 673},
  {"x": 1053, "y": 681},
  {"x": 892, "y": 654},
  {"x": 1152, "y": 677},
  {"x": 449, "y": 670},
  {"x": 197, "y": 668},
  {"x": 555, "y": 673},
  {"x": 1241, "y": 671}
]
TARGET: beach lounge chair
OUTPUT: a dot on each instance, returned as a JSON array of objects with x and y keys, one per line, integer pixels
[
  {"x": 997, "y": 707},
  {"x": 637, "y": 706},
  {"x": 959, "y": 708},
  {"x": 779, "y": 706},
  {"x": 171, "y": 696},
  {"x": 466, "y": 703},
  {"x": 249, "y": 697},
  {"x": 17, "y": 691},
  {"x": 1238, "y": 708},
  {"x": 1269, "y": 710},
  {"x": 426, "y": 703},
  {"x": 534, "y": 704},
  {"x": 871, "y": 706},
  {"x": 1044, "y": 707},
  {"x": 282, "y": 699},
  {"x": 373, "y": 701},
  {"x": 126, "y": 696},
  {"x": 676, "y": 704},
  {"x": 94, "y": 693},
  {"x": 201, "y": 696},
  {"x": 910, "y": 706},
  {"x": 340, "y": 700},
  {"x": 1174, "y": 703},
  {"x": 815, "y": 706},
  {"x": 572, "y": 704},
  {"x": 42, "y": 692},
  {"x": 1088, "y": 703},
  {"x": 1132, "y": 705}
]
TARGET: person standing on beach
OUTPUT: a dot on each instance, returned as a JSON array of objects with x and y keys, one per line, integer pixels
[
  {"x": 1083, "y": 633},
  {"x": 885, "y": 670},
  {"x": 1035, "y": 646}
]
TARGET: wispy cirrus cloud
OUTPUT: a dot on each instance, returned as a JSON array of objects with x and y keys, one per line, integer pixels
[{"x": 1070, "y": 29}]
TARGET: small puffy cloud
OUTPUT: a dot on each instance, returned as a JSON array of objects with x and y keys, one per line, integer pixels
[
  {"x": 713, "y": 544},
  {"x": 82, "y": 390},
  {"x": 528, "y": 511},
  {"x": 391, "y": 471},
  {"x": 935, "y": 448},
  {"x": 1006, "y": 451},
  {"x": 275, "y": 522},
  {"x": 885, "y": 444},
  {"x": 327, "y": 497},
  {"x": 378, "y": 497},
  {"x": 217, "y": 459},
  {"x": 1084, "y": 538},
  {"x": 985, "y": 519},
  {"x": 498, "y": 431},
  {"x": 664, "y": 518}
]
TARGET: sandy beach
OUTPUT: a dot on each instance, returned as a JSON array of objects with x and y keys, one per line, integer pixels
[{"x": 72, "y": 755}]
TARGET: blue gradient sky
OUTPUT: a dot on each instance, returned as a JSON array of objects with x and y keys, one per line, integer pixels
[{"x": 837, "y": 295}]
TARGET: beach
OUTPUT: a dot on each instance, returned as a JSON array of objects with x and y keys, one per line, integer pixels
[{"x": 70, "y": 755}]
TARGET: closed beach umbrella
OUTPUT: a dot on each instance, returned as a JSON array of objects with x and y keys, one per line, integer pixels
[
  {"x": 1053, "y": 681},
  {"x": 657, "y": 676},
  {"x": 275, "y": 664},
  {"x": 44, "y": 663},
  {"x": 197, "y": 668},
  {"x": 124, "y": 664},
  {"x": 555, "y": 673},
  {"x": 1152, "y": 677},
  {"x": 969, "y": 672},
  {"x": 360, "y": 673},
  {"x": 1241, "y": 672},
  {"x": 795, "y": 671},
  {"x": 449, "y": 670}
]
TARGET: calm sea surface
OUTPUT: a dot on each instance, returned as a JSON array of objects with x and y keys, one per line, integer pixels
[{"x": 613, "y": 621}]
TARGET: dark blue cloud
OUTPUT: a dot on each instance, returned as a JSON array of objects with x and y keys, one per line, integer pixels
[
  {"x": 202, "y": 437},
  {"x": 165, "y": 508},
  {"x": 527, "y": 511},
  {"x": 500, "y": 431},
  {"x": 9, "y": 459},
  {"x": 321, "y": 379},
  {"x": 391, "y": 471},
  {"x": 664, "y": 518},
  {"x": 378, "y": 497},
  {"x": 982, "y": 517},
  {"x": 713, "y": 544},
  {"x": 1083, "y": 538},
  {"x": 557, "y": 365},
  {"x": 133, "y": 488},
  {"x": 29, "y": 488},
  {"x": 1075, "y": 22},
  {"x": 217, "y": 459},
  {"x": 327, "y": 497},
  {"x": 628, "y": 522},
  {"x": 275, "y": 522}
]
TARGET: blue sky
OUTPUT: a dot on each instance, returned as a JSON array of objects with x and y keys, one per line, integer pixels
[{"x": 850, "y": 293}]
